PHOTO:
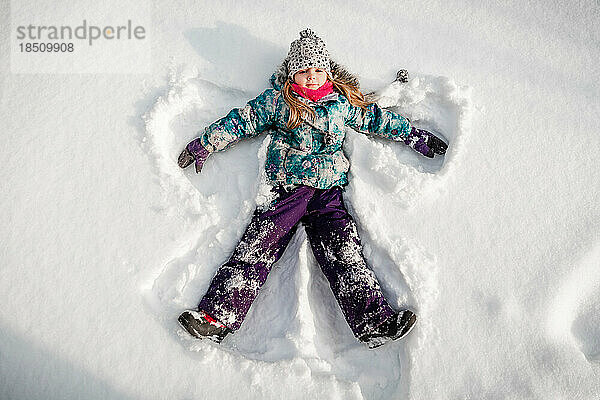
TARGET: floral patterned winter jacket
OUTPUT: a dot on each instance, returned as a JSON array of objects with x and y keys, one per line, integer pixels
[{"x": 311, "y": 154}]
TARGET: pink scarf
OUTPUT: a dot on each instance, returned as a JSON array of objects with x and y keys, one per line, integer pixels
[{"x": 313, "y": 94}]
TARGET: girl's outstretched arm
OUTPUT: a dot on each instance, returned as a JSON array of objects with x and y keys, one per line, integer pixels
[
  {"x": 376, "y": 121},
  {"x": 239, "y": 123},
  {"x": 387, "y": 124}
]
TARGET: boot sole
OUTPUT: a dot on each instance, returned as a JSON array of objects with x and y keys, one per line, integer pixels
[
  {"x": 187, "y": 322},
  {"x": 408, "y": 326},
  {"x": 198, "y": 331}
]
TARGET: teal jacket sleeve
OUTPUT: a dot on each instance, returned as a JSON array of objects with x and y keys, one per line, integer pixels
[
  {"x": 377, "y": 121},
  {"x": 257, "y": 116}
]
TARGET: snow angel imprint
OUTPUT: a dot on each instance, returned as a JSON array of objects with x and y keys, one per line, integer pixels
[{"x": 311, "y": 101}]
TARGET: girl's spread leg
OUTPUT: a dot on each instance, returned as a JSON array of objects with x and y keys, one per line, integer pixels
[
  {"x": 337, "y": 247},
  {"x": 237, "y": 283}
]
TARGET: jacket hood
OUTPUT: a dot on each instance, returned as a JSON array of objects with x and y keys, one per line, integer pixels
[{"x": 338, "y": 72}]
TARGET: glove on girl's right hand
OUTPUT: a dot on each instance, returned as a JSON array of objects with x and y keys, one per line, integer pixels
[
  {"x": 425, "y": 142},
  {"x": 193, "y": 152},
  {"x": 436, "y": 144}
]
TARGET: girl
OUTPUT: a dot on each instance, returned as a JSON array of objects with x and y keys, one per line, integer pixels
[{"x": 312, "y": 101}]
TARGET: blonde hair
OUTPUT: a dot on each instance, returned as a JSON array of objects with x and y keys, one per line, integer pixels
[{"x": 300, "y": 110}]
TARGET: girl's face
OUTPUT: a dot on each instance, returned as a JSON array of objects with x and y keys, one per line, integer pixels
[{"x": 311, "y": 78}]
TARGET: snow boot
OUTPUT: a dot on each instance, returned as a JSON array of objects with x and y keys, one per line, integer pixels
[
  {"x": 202, "y": 326},
  {"x": 392, "y": 329}
]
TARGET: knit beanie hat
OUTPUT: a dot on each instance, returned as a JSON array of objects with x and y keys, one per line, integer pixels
[{"x": 308, "y": 52}]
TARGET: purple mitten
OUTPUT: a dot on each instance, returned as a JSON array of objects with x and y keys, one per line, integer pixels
[
  {"x": 193, "y": 152},
  {"x": 425, "y": 142}
]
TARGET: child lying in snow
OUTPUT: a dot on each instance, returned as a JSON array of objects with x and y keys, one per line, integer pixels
[{"x": 312, "y": 101}]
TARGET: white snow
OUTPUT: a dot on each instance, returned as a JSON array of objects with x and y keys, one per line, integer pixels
[{"x": 104, "y": 240}]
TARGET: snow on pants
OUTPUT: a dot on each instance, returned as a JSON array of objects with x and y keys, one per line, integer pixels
[{"x": 335, "y": 243}]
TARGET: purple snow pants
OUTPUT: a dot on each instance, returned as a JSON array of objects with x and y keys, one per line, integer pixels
[{"x": 335, "y": 243}]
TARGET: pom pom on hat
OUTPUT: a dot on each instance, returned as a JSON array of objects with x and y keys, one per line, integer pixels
[{"x": 308, "y": 52}]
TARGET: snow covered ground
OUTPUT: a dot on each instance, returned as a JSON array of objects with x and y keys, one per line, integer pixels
[{"x": 104, "y": 240}]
